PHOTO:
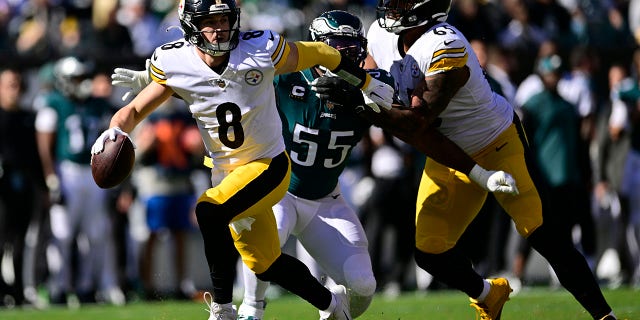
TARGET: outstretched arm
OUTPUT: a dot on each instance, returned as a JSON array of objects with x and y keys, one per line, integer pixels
[
  {"x": 305, "y": 54},
  {"x": 298, "y": 56},
  {"x": 428, "y": 140},
  {"x": 416, "y": 126}
]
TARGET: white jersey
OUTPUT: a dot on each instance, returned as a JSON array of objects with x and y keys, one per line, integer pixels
[
  {"x": 476, "y": 115},
  {"x": 236, "y": 110}
]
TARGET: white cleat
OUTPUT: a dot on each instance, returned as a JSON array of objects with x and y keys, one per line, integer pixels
[
  {"x": 247, "y": 312},
  {"x": 115, "y": 296},
  {"x": 341, "y": 309},
  {"x": 217, "y": 311}
]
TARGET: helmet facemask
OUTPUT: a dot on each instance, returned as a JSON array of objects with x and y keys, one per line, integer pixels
[
  {"x": 397, "y": 15},
  {"x": 191, "y": 13},
  {"x": 351, "y": 47}
]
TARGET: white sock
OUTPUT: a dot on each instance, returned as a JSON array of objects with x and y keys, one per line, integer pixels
[{"x": 485, "y": 291}]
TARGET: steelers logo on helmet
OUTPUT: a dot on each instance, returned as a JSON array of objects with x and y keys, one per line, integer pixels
[
  {"x": 192, "y": 12},
  {"x": 398, "y": 15},
  {"x": 341, "y": 30}
]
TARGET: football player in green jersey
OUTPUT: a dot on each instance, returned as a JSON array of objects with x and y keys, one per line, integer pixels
[
  {"x": 319, "y": 135},
  {"x": 68, "y": 120}
]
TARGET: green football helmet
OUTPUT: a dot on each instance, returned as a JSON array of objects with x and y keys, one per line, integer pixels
[{"x": 342, "y": 31}]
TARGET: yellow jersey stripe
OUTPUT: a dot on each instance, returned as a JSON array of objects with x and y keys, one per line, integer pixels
[
  {"x": 208, "y": 162},
  {"x": 157, "y": 75},
  {"x": 447, "y": 63},
  {"x": 447, "y": 59},
  {"x": 275, "y": 53},
  {"x": 449, "y": 51},
  {"x": 282, "y": 50}
]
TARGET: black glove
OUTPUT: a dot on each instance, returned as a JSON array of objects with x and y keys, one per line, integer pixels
[{"x": 338, "y": 91}]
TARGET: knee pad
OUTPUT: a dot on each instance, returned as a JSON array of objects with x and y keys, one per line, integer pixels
[
  {"x": 358, "y": 275},
  {"x": 360, "y": 281},
  {"x": 358, "y": 304}
]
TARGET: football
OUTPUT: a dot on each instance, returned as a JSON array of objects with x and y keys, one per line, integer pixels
[{"x": 114, "y": 164}]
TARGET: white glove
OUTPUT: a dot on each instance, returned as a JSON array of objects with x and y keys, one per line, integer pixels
[
  {"x": 110, "y": 134},
  {"x": 378, "y": 93},
  {"x": 494, "y": 181},
  {"x": 134, "y": 80},
  {"x": 370, "y": 103}
]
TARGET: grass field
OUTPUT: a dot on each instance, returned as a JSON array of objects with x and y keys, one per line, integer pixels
[{"x": 537, "y": 303}]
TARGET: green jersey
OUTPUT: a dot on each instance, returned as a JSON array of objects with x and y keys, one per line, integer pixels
[
  {"x": 78, "y": 125},
  {"x": 554, "y": 126},
  {"x": 318, "y": 135},
  {"x": 630, "y": 93}
]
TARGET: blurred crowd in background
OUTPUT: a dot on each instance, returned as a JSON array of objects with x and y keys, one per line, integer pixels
[{"x": 63, "y": 240}]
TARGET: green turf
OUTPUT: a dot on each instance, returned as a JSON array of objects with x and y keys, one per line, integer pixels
[{"x": 536, "y": 303}]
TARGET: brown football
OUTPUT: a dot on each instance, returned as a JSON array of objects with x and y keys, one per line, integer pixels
[{"x": 114, "y": 164}]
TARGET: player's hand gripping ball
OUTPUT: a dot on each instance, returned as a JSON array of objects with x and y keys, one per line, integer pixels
[{"x": 112, "y": 164}]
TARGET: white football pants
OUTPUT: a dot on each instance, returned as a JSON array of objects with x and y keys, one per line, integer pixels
[
  {"x": 84, "y": 214},
  {"x": 332, "y": 234}
]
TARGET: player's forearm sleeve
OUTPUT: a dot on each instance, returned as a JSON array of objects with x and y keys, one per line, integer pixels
[{"x": 311, "y": 53}]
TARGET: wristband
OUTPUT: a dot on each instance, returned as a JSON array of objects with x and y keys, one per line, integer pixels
[{"x": 479, "y": 175}]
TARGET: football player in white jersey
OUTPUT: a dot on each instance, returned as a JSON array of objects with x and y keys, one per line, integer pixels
[
  {"x": 442, "y": 85},
  {"x": 226, "y": 78}
]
